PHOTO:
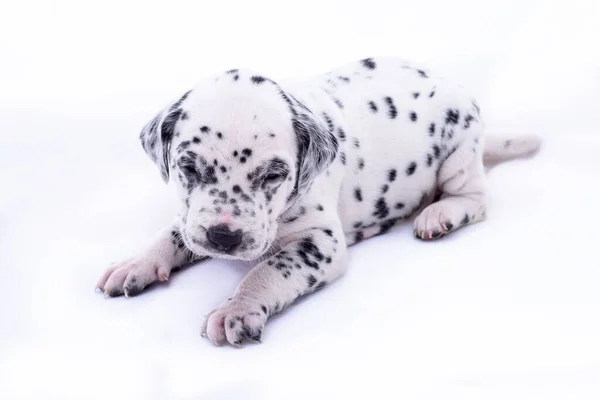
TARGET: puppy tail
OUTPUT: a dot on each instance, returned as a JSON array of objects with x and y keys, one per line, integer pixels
[{"x": 497, "y": 150}]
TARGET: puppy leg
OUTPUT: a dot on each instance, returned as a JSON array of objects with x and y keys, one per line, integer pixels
[
  {"x": 462, "y": 182},
  {"x": 131, "y": 276},
  {"x": 310, "y": 260}
]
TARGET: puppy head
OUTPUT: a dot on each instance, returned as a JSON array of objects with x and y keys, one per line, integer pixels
[{"x": 240, "y": 151}]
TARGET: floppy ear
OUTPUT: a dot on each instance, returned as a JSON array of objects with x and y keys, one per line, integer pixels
[
  {"x": 316, "y": 143},
  {"x": 157, "y": 135}
]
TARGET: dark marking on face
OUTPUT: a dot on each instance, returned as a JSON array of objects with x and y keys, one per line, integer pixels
[
  {"x": 223, "y": 169},
  {"x": 219, "y": 135},
  {"x": 368, "y": 63},
  {"x": 242, "y": 159},
  {"x": 373, "y": 106},
  {"x": 204, "y": 129},
  {"x": 328, "y": 232},
  {"x": 384, "y": 189},
  {"x": 235, "y": 153},
  {"x": 432, "y": 94},
  {"x": 356, "y": 143},
  {"x": 413, "y": 116},
  {"x": 436, "y": 151},
  {"x": 257, "y": 80},
  {"x": 399, "y": 206},
  {"x": 271, "y": 135},
  {"x": 237, "y": 189},
  {"x": 361, "y": 163},
  {"x": 452, "y": 116},
  {"x": 412, "y": 167},
  {"x": 381, "y": 209},
  {"x": 391, "y": 175},
  {"x": 196, "y": 140},
  {"x": 416, "y": 95},
  {"x": 392, "y": 112},
  {"x": 320, "y": 207},
  {"x": 358, "y": 194},
  {"x": 422, "y": 73},
  {"x": 247, "y": 152}
]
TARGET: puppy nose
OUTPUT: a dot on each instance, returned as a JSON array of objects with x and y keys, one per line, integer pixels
[{"x": 223, "y": 237}]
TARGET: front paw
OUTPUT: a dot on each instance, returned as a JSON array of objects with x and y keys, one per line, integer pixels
[
  {"x": 132, "y": 276},
  {"x": 235, "y": 321}
]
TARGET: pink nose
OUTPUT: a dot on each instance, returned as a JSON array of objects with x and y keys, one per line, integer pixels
[{"x": 225, "y": 217}]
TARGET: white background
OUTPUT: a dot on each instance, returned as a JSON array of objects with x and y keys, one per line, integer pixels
[{"x": 508, "y": 308}]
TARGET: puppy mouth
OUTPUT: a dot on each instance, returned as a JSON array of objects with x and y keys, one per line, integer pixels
[{"x": 247, "y": 250}]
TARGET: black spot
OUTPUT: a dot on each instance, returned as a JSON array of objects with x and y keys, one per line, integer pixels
[
  {"x": 343, "y": 158},
  {"x": 465, "y": 220},
  {"x": 416, "y": 95},
  {"x": 271, "y": 135},
  {"x": 384, "y": 189},
  {"x": 361, "y": 163},
  {"x": 235, "y": 153},
  {"x": 411, "y": 168},
  {"x": 436, "y": 151},
  {"x": 392, "y": 113},
  {"x": 429, "y": 160},
  {"x": 328, "y": 232},
  {"x": 387, "y": 225},
  {"x": 452, "y": 116},
  {"x": 432, "y": 93},
  {"x": 242, "y": 160},
  {"x": 422, "y": 73},
  {"x": 399, "y": 206},
  {"x": 320, "y": 285},
  {"x": 237, "y": 189},
  {"x": 356, "y": 142},
  {"x": 431, "y": 129},
  {"x": 373, "y": 106},
  {"x": 184, "y": 116},
  {"x": 358, "y": 236},
  {"x": 204, "y": 129},
  {"x": 357, "y": 225},
  {"x": 358, "y": 194},
  {"x": 320, "y": 207},
  {"x": 196, "y": 140},
  {"x": 338, "y": 102},
  {"x": 263, "y": 308},
  {"x": 219, "y": 135},
  {"x": 247, "y": 152},
  {"x": 381, "y": 209},
  {"x": 232, "y": 71},
  {"x": 344, "y": 79},
  {"x": 257, "y": 79},
  {"x": 468, "y": 120},
  {"x": 368, "y": 63},
  {"x": 341, "y": 134},
  {"x": 329, "y": 122},
  {"x": 223, "y": 169},
  {"x": 413, "y": 116},
  {"x": 392, "y": 175},
  {"x": 311, "y": 280}
]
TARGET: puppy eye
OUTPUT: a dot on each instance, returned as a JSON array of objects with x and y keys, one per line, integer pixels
[
  {"x": 272, "y": 177},
  {"x": 190, "y": 170}
]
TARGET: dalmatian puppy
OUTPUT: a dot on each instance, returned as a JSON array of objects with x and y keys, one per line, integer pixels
[{"x": 289, "y": 175}]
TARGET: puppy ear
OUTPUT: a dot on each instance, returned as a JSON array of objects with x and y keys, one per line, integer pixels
[
  {"x": 316, "y": 143},
  {"x": 157, "y": 135}
]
